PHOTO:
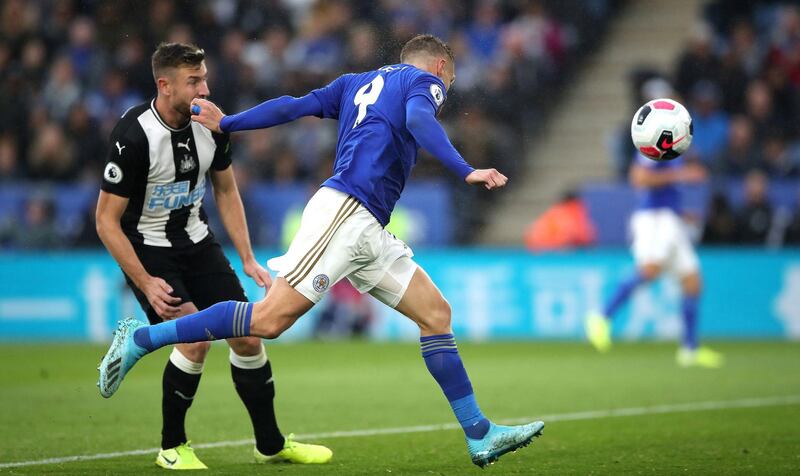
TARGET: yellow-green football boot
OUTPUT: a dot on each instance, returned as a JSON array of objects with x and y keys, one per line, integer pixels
[
  {"x": 180, "y": 457},
  {"x": 294, "y": 452},
  {"x": 700, "y": 357},
  {"x": 598, "y": 331}
]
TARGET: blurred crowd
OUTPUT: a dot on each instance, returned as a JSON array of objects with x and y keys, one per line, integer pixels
[
  {"x": 69, "y": 69},
  {"x": 739, "y": 76}
]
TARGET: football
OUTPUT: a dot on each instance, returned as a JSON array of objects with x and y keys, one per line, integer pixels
[{"x": 662, "y": 129}]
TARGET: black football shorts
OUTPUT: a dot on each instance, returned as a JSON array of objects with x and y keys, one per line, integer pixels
[{"x": 200, "y": 274}]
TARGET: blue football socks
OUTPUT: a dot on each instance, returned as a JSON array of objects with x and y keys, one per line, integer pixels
[
  {"x": 622, "y": 294},
  {"x": 689, "y": 310},
  {"x": 220, "y": 321},
  {"x": 444, "y": 363}
]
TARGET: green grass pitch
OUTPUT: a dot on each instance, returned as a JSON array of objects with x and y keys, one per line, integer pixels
[{"x": 51, "y": 409}]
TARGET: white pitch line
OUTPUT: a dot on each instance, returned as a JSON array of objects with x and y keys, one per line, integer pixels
[{"x": 756, "y": 402}]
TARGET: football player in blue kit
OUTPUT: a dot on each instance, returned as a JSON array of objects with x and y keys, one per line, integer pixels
[
  {"x": 384, "y": 117},
  {"x": 660, "y": 243}
]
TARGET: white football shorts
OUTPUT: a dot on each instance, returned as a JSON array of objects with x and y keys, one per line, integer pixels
[
  {"x": 340, "y": 238},
  {"x": 660, "y": 237}
]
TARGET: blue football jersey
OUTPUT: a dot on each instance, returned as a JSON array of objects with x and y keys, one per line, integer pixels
[
  {"x": 666, "y": 196},
  {"x": 375, "y": 151}
]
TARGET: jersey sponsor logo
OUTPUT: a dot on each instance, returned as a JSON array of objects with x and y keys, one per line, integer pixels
[
  {"x": 321, "y": 282},
  {"x": 113, "y": 172},
  {"x": 171, "y": 196},
  {"x": 185, "y": 145},
  {"x": 438, "y": 95},
  {"x": 187, "y": 164}
]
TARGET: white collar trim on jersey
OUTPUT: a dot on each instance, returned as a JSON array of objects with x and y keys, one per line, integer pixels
[{"x": 164, "y": 123}]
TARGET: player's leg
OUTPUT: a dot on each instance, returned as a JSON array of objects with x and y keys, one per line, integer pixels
[
  {"x": 267, "y": 318},
  {"x": 210, "y": 279},
  {"x": 179, "y": 386},
  {"x": 406, "y": 287},
  {"x": 133, "y": 339},
  {"x": 251, "y": 372},
  {"x": 649, "y": 249},
  {"x": 252, "y": 375},
  {"x": 598, "y": 324},
  {"x": 687, "y": 267},
  {"x": 690, "y": 285},
  {"x": 424, "y": 304},
  {"x": 182, "y": 371},
  {"x": 643, "y": 274}
]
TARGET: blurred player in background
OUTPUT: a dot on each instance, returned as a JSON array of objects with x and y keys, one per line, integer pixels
[
  {"x": 660, "y": 243},
  {"x": 384, "y": 117},
  {"x": 150, "y": 217}
]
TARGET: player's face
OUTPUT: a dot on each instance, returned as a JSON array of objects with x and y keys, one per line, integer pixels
[{"x": 188, "y": 83}]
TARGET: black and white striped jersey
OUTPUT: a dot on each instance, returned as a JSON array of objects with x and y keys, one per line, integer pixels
[{"x": 162, "y": 171}]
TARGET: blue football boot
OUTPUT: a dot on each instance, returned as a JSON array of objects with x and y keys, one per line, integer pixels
[
  {"x": 121, "y": 356},
  {"x": 500, "y": 440}
]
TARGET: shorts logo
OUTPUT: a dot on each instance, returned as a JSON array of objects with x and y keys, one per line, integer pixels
[
  {"x": 437, "y": 94},
  {"x": 321, "y": 282},
  {"x": 113, "y": 173}
]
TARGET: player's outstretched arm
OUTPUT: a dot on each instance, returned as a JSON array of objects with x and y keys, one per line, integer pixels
[
  {"x": 641, "y": 176},
  {"x": 422, "y": 124},
  {"x": 267, "y": 114}
]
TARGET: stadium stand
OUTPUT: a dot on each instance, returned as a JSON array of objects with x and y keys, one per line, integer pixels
[{"x": 69, "y": 69}]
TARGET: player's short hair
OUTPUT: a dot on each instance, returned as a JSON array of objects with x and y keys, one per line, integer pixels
[
  {"x": 175, "y": 55},
  {"x": 428, "y": 44}
]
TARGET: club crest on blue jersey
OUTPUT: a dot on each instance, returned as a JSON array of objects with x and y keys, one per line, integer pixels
[{"x": 321, "y": 282}]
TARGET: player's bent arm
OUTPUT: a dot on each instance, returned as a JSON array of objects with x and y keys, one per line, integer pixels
[
  {"x": 272, "y": 113},
  {"x": 430, "y": 135},
  {"x": 110, "y": 208},
  {"x": 231, "y": 210},
  {"x": 643, "y": 177}
]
